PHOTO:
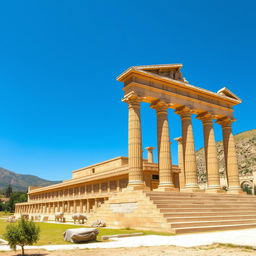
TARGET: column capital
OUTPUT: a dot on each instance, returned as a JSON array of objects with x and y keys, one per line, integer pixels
[
  {"x": 149, "y": 148},
  {"x": 206, "y": 118},
  {"x": 132, "y": 99},
  {"x": 160, "y": 106},
  {"x": 225, "y": 122},
  {"x": 184, "y": 111},
  {"x": 179, "y": 139}
]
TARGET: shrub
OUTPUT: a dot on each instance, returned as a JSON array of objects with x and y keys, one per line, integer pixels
[{"x": 22, "y": 233}]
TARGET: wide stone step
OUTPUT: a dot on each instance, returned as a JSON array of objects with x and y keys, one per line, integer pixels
[
  {"x": 200, "y": 194},
  {"x": 202, "y": 213},
  {"x": 202, "y": 206},
  {"x": 198, "y": 202},
  {"x": 211, "y": 223},
  {"x": 213, "y": 228},
  {"x": 217, "y": 200},
  {"x": 197, "y": 209},
  {"x": 210, "y": 218}
]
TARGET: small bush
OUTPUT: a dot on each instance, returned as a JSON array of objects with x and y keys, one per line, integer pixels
[{"x": 22, "y": 233}]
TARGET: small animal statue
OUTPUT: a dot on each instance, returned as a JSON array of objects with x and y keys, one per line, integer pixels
[
  {"x": 11, "y": 219},
  {"x": 98, "y": 224},
  {"x": 80, "y": 217},
  {"x": 59, "y": 216},
  {"x": 25, "y": 216}
]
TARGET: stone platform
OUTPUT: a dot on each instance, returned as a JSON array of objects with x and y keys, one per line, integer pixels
[{"x": 178, "y": 212}]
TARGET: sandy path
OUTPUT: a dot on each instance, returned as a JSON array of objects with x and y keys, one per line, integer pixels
[{"x": 212, "y": 250}]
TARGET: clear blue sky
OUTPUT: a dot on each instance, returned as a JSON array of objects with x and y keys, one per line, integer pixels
[{"x": 61, "y": 106}]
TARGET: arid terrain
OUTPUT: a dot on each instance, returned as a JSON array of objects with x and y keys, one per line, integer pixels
[{"x": 213, "y": 250}]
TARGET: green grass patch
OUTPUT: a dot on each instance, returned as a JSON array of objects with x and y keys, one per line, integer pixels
[
  {"x": 52, "y": 233},
  {"x": 5, "y": 214}
]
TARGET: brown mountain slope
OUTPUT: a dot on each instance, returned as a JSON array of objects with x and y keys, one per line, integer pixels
[
  {"x": 246, "y": 154},
  {"x": 20, "y": 182}
]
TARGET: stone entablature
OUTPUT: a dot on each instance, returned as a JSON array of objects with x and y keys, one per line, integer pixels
[{"x": 151, "y": 87}]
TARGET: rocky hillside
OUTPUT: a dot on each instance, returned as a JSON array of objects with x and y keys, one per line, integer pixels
[
  {"x": 20, "y": 182},
  {"x": 246, "y": 154}
]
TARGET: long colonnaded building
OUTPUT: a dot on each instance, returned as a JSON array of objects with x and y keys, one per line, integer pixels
[{"x": 138, "y": 193}]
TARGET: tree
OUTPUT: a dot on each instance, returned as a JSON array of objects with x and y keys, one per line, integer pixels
[
  {"x": 8, "y": 191},
  {"x": 2, "y": 205},
  {"x": 16, "y": 197},
  {"x": 22, "y": 233}
]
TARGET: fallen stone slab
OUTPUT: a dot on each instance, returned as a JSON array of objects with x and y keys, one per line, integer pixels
[
  {"x": 3, "y": 242},
  {"x": 80, "y": 235}
]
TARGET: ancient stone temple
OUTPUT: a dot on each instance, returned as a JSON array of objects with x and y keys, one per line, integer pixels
[{"x": 138, "y": 193}]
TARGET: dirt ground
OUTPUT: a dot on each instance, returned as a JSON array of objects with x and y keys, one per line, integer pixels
[{"x": 213, "y": 250}]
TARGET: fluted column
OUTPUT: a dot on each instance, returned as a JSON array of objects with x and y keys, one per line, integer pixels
[
  {"x": 150, "y": 154},
  {"x": 211, "y": 160},
  {"x": 135, "y": 167},
  {"x": 230, "y": 155},
  {"x": 68, "y": 208},
  {"x": 164, "y": 152},
  {"x": 87, "y": 206},
  {"x": 191, "y": 181},
  {"x": 181, "y": 163},
  {"x": 81, "y": 206}
]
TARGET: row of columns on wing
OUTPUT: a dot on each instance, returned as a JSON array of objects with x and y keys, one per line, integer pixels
[
  {"x": 71, "y": 206},
  {"x": 187, "y": 149},
  {"x": 81, "y": 190}
]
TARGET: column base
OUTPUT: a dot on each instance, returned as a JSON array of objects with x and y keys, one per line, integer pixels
[
  {"x": 214, "y": 189},
  {"x": 236, "y": 190},
  {"x": 191, "y": 188},
  {"x": 138, "y": 186},
  {"x": 166, "y": 188}
]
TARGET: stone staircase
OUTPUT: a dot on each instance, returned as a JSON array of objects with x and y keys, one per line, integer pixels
[{"x": 198, "y": 212}]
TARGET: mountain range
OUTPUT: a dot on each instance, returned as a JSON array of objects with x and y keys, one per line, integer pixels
[{"x": 20, "y": 182}]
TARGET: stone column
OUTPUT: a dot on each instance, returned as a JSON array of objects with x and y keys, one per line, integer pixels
[
  {"x": 181, "y": 163},
  {"x": 211, "y": 160},
  {"x": 164, "y": 152},
  {"x": 118, "y": 185},
  {"x": 230, "y": 155},
  {"x": 135, "y": 167},
  {"x": 87, "y": 206},
  {"x": 150, "y": 154},
  {"x": 68, "y": 210},
  {"x": 81, "y": 206},
  {"x": 189, "y": 155},
  {"x": 74, "y": 206}
]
